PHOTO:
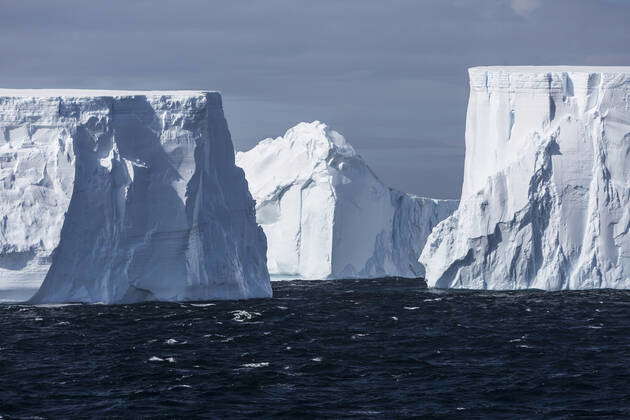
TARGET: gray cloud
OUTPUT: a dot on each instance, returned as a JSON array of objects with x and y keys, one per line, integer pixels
[
  {"x": 525, "y": 7},
  {"x": 391, "y": 76}
]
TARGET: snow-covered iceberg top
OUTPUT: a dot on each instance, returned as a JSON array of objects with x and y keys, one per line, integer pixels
[
  {"x": 118, "y": 196},
  {"x": 326, "y": 215},
  {"x": 546, "y": 195},
  {"x": 102, "y": 93},
  {"x": 565, "y": 79}
]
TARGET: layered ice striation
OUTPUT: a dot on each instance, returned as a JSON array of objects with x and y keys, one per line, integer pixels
[
  {"x": 327, "y": 216},
  {"x": 119, "y": 196},
  {"x": 546, "y": 194}
]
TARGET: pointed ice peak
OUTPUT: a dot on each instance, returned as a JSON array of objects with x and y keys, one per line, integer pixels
[
  {"x": 317, "y": 138},
  {"x": 327, "y": 215},
  {"x": 307, "y": 151}
]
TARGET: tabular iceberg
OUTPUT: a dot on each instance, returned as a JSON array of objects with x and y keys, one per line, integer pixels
[
  {"x": 327, "y": 216},
  {"x": 119, "y": 196},
  {"x": 546, "y": 196}
]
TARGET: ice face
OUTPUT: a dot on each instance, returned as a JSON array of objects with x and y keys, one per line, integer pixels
[
  {"x": 326, "y": 215},
  {"x": 124, "y": 196},
  {"x": 546, "y": 195}
]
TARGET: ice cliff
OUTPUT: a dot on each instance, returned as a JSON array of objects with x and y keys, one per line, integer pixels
[
  {"x": 326, "y": 215},
  {"x": 546, "y": 194},
  {"x": 118, "y": 196}
]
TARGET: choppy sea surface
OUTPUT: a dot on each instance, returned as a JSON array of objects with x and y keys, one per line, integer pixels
[{"x": 370, "y": 348}]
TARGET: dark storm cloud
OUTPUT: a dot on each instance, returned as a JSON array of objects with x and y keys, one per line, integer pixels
[{"x": 390, "y": 75}]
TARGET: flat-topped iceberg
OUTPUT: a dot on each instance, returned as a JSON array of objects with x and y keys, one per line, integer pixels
[
  {"x": 327, "y": 216},
  {"x": 121, "y": 196},
  {"x": 546, "y": 195}
]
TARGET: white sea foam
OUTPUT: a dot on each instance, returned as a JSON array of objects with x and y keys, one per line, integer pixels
[
  {"x": 255, "y": 365},
  {"x": 242, "y": 316}
]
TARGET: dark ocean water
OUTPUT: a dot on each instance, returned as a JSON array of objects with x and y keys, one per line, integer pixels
[{"x": 379, "y": 348}]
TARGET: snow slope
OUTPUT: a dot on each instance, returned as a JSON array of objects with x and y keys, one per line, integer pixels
[
  {"x": 114, "y": 196},
  {"x": 326, "y": 215},
  {"x": 546, "y": 195}
]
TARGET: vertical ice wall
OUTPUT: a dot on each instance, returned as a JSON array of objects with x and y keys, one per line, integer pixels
[
  {"x": 546, "y": 195},
  {"x": 37, "y": 168},
  {"x": 124, "y": 196},
  {"x": 327, "y": 216}
]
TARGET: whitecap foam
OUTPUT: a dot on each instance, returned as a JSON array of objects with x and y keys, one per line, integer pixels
[
  {"x": 242, "y": 316},
  {"x": 255, "y": 365}
]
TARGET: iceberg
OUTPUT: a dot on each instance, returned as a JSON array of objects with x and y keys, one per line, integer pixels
[
  {"x": 124, "y": 196},
  {"x": 546, "y": 196},
  {"x": 327, "y": 215}
]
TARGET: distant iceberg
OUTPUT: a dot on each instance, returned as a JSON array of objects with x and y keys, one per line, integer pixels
[
  {"x": 546, "y": 196},
  {"x": 326, "y": 214},
  {"x": 120, "y": 196}
]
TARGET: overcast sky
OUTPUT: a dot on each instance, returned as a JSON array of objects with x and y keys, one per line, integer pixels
[{"x": 388, "y": 74}]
